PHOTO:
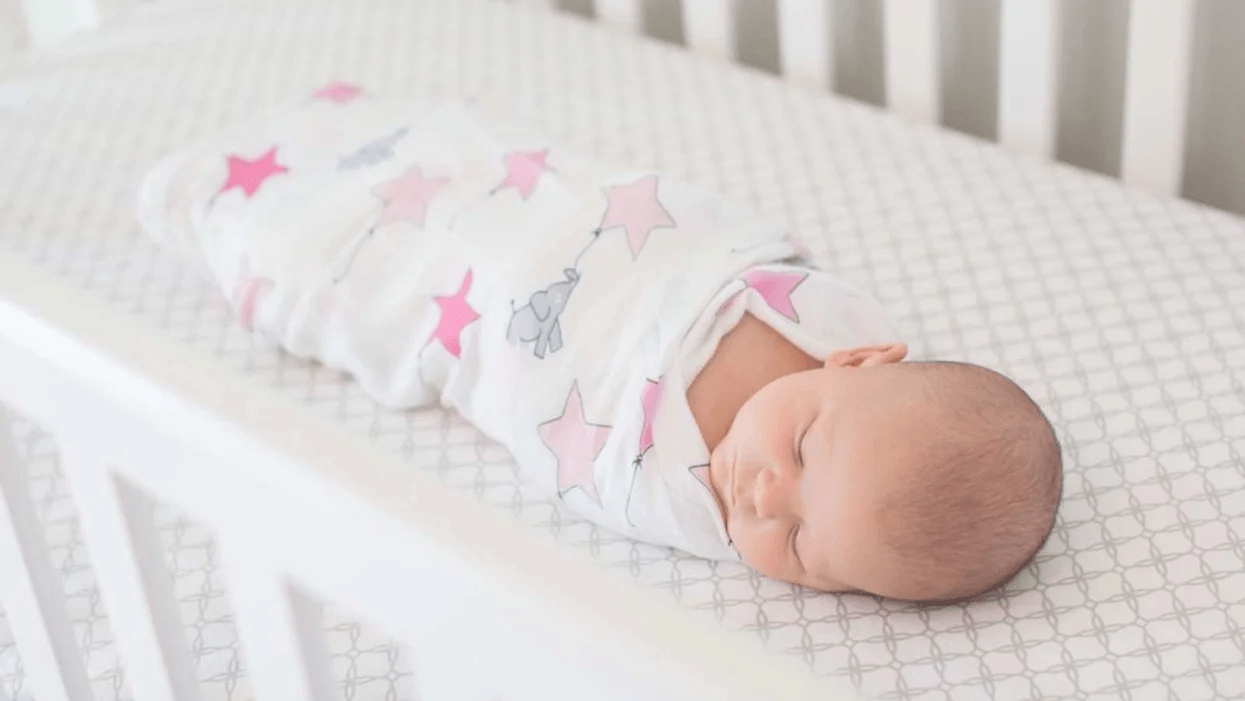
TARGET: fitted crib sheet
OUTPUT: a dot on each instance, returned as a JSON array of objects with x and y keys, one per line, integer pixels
[{"x": 1117, "y": 311}]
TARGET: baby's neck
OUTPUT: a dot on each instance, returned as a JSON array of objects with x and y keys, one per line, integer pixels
[{"x": 749, "y": 357}]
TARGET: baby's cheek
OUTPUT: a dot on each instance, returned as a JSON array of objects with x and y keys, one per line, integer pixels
[{"x": 764, "y": 551}]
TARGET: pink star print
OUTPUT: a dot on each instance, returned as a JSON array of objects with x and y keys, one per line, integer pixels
[
  {"x": 575, "y": 443},
  {"x": 523, "y": 171},
  {"x": 776, "y": 288},
  {"x": 649, "y": 399},
  {"x": 249, "y": 175},
  {"x": 248, "y": 293},
  {"x": 408, "y": 197},
  {"x": 456, "y": 314},
  {"x": 338, "y": 92},
  {"x": 635, "y": 208}
]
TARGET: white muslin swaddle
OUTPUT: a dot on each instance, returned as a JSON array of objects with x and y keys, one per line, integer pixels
[{"x": 440, "y": 255}]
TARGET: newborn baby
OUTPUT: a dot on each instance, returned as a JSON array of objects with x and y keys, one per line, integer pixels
[
  {"x": 659, "y": 358},
  {"x": 925, "y": 481}
]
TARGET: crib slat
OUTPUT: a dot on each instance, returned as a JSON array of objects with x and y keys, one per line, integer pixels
[
  {"x": 804, "y": 41},
  {"x": 628, "y": 14},
  {"x": 30, "y": 589},
  {"x": 709, "y": 27},
  {"x": 280, "y": 629},
  {"x": 1156, "y": 93},
  {"x": 49, "y": 21},
  {"x": 13, "y": 37},
  {"x": 1028, "y": 54},
  {"x": 910, "y": 35},
  {"x": 126, "y": 556}
]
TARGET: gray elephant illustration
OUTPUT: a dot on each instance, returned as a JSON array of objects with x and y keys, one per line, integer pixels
[{"x": 538, "y": 319}]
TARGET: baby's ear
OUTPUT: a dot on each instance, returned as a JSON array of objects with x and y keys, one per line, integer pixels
[{"x": 867, "y": 356}]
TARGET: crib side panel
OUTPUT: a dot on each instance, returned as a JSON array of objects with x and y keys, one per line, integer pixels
[
  {"x": 709, "y": 27},
  {"x": 118, "y": 526},
  {"x": 29, "y": 588},
  {"x": 140, "y": 417},
  {"x": 285, "y": 648}
]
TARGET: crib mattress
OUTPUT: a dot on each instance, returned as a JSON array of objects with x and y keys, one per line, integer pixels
[{"x": 1118, "y": 311}]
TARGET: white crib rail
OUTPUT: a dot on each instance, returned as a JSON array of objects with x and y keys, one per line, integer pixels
[
  {"x": 806, "y": 51},
  {"x": 49, "y": 21},
  {"x": 1156, "y": 93},
  {"x": 117, "y": 526},
  {"x": 1028, "y": 63},
  {"x": 30, "y": 589},
  {"x": 709, "y": 27},
  {"x": 285, "y": 645},
  {"x": 490, "y": 611},
  {"x": 1159, "y": 42},
  {"x": 911, "y": 51},
  {"x": 628, "y": 14}
]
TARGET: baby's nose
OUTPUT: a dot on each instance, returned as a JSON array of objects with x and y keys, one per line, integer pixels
[{"x": 769, "y": 495}]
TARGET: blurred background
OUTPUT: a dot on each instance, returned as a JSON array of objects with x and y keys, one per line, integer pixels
[{"x": 1091, "y": 76}]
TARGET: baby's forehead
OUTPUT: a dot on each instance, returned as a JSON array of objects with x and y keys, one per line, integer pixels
[
  {"x": 892, "y": 417},
  {"x": 872, "y": 452}
]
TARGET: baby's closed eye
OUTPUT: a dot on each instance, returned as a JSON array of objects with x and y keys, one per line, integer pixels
[{"x": 799, "y": 449}]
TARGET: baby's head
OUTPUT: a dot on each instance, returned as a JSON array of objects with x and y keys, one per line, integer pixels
[{"x": 924, "y": 481}]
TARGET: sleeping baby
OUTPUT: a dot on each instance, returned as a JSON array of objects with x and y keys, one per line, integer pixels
[{"x": 659, "y": 358}]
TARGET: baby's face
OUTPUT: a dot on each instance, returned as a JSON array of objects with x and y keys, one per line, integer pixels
[{"x": 801, "y": 474}]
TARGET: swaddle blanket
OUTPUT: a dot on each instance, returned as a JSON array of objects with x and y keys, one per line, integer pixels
[{"x": 562, "y": 306}]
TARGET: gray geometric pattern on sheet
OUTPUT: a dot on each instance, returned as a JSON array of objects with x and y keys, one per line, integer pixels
[{"x": 1119, "y": 312}]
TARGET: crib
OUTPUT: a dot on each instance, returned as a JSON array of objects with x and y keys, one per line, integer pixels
[{"x": 1114, "y": 304}]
